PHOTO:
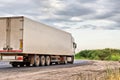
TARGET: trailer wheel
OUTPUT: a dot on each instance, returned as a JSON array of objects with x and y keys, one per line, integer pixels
[
  {"x": 37, "y": 60},
  {"x": 14, "y": 65},
  {"x": 72, "y": 60},
  {"x": 65, "y": 60},
  {"x": 42, "y": 60},
  {"x": 21, "y": 65},
  {"x": 27, "y": 64},
  {"x": 47, "y": 60}
]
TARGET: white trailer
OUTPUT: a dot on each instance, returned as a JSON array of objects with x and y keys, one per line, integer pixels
[{"x": 27, "y": 42}]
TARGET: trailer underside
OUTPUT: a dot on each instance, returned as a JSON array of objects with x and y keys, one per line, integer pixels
[{"x": 21, "y": 59}]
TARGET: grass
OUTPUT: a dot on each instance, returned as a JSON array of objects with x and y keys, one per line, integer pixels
[
  {"x": 113, "y": 74},
  {"x": 101, "y": 75}
]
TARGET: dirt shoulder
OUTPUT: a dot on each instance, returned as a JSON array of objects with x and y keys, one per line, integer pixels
[{"x": 77, "y": 71}]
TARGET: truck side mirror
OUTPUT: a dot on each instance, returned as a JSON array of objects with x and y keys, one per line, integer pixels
[{"x": 74, "y": 45}]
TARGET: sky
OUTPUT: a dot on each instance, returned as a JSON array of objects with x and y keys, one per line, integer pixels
[{"x": 94, "y": 24}]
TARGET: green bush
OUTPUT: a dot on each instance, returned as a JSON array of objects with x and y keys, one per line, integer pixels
[
  {"x": 99, "y": 54},
  {"x": 115, "y": 58}
]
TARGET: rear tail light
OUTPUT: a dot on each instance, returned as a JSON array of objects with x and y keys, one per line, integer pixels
[
  {"x": 19, "y": 57},
  {"x": 21, "y": 44}
]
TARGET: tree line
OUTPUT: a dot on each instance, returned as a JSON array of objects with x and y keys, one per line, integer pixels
[{"x": 99, "y": 54}]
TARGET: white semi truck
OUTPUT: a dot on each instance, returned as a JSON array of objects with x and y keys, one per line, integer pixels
[{"x": 25, "y": 42}]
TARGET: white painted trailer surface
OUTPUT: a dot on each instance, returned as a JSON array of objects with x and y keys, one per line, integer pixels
[
  {"x": 20, "y": 36},
  {"x": 43, "y": 39}
]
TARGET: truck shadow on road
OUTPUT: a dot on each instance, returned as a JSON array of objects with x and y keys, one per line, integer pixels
[{"x": 4, "y": 68}]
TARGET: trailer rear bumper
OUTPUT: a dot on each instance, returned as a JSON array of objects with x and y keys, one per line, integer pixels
[{"x": 16, "y": 57}]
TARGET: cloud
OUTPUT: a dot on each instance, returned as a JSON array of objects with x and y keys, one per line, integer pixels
[
  {"x": 68, "y": 13},
  {"x": 87, "y": 1},
  {"x": 108, "y": 9},
  {"x": 75, "y": 10}
]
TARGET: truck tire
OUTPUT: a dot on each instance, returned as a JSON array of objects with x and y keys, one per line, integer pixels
[
  {"x": 36, "y": 60},
  {"x": 47, "y": 60},
  {"x": 27, "y": 64},
  {"x": 65, "y": 60},
  {"x": 21, "y": 65},
  {"x": 72, "y": 60},
  {"x": 42, "y": 60},
  {"x": 31, "y": 60},
  {"x": 14, "y": 65}
]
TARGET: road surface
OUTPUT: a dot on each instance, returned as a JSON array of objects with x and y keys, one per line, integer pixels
[
  {"x": 80, "y": 68},
  {"x": 5, "y": 64}
]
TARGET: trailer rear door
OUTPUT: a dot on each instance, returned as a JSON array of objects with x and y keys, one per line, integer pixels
[
  {"x": 16, "y": 35},
  {"x": 11, "y": 31}
]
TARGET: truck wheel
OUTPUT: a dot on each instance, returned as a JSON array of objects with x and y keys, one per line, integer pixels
[
  {"x": 57, "y": 62},
  {"x": 72, "y": 60},
  {"x": 42, "y": 60},
  {"x": 65, "y": 60},
  {"x": 27, "y": 64},
  {"x": 14, "y": 65},
  {"x": 37, "y": 60},
  {"x": 47, "y": 60},
  {"x": 21, "y": 65}
]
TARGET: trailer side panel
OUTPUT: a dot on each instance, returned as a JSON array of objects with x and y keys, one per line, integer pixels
[{"x": 43, "y": 39}]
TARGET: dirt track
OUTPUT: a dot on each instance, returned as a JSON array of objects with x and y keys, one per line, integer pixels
[{"x": 58, "y": 72}]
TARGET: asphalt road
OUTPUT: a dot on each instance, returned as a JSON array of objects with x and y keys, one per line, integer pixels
[
  {"x": 56, "y": 72},
  {"x": 4, "y": 64}
]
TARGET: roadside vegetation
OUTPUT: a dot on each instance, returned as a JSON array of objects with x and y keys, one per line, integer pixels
[
  {"x": 112, "y": 74},
  {"x": 109, "y": 74},
  {"x": 99, "y": 54}
]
